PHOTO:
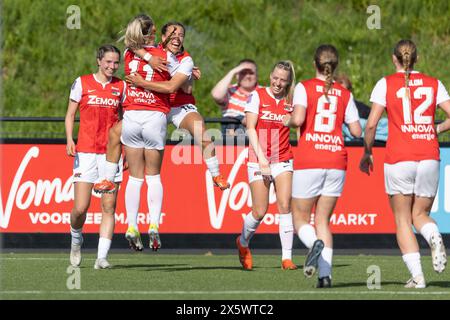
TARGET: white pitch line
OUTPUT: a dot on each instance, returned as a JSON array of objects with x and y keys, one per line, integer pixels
[
  {"x": 318, "y": 292},
  {"x": 54, "y": 259},
  {"x": 38, "y": 259},
  {"x": 131, "y": 258}
]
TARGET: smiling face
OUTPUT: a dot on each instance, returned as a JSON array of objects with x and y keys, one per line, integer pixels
[
  {"x": 174, "y": 37},
  {"x": 279, "y": 80},
  {"x": 109, "y": 64}
]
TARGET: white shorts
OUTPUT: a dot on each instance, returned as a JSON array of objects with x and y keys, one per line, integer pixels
[
  {"x": 254, "y": 172},
  {"x": 90, "y": 167},
  {"x": 176, "y": 115},
  {"x": 310, "y": 183},
  {"x": 144, "y": 129},
  {"x": 412, "y": 177}
]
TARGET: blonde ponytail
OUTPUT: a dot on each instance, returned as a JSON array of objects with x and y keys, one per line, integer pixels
[{"x": 137, "y": 29}]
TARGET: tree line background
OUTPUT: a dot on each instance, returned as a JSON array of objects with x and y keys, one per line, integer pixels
[{"x": 41, "y": 56}]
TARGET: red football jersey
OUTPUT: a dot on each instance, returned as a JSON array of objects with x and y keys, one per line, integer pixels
[
  {"x": 411, "y": 119},
  {"x": 321, "y": 144},
  {"x": 99, "y": 108},
  {"x": 273, "y": 136},
  {"x": 180, "y": 97},
  {"x": 141, "y": 99}
]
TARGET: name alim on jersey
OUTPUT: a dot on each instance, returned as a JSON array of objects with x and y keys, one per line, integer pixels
[{"x": 415, "y": 83}]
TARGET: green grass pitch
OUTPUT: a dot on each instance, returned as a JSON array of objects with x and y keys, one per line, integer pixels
[{"x": 206, "y": 276}]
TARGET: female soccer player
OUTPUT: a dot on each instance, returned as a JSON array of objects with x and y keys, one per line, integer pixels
[
  {"x": 270, "y": 159},
  {"x": 411, "y": 165},
  {"x": 145, "y": 123},
  {"x": 321, "y": 106},
  {"x": 183, "y": 114},
  {"x": 98, "y": 97}
]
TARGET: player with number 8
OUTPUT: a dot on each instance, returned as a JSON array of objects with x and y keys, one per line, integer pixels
[{"x": 321, "y": 106}]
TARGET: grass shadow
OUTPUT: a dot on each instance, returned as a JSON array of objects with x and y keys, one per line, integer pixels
[
  {"x": 300, "y": 267},
  {"x": 441, "y": 284},
  {"x": 237, "y": 268},
  {"x": 150, "y": 266},
  {"x": 174, "y": 267},
  {"x": 364, "y": 284}
]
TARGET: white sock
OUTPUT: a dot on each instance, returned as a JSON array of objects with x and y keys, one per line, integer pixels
[
  {"x": 103, "y": 247},
  {"x": 412, "y": 261},
  {"x": 325, "y": 262},
  {"x": 154, "y": 198},
  {"x": 77, "y": 237},
  {"x": 133, "y": 199},
  {"x": 428, "y": 230},
  {"x": 110, "y": 170},
  {"x": 213, "y": 166},
  {"x": 286, "y": 231},
  {"x": 307, "y": 235},
  {"x": 249, "y": 229}
]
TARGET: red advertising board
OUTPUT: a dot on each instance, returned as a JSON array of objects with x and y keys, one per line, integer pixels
[{"x": 37, "y": 194}]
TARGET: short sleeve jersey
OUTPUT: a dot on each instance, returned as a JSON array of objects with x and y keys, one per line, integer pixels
[
  {"x": 138, "y": 98},
  {"x": 180, "y": 97},
  {"x": 99, "y": 110},
  {"x": 411, "y": 112},
  {"x": 273, "y": 136}
]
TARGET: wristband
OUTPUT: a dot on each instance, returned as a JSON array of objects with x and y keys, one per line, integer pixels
[
  {"x": 147, "y": 57},
  {"x": 438, "y": 129}
]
